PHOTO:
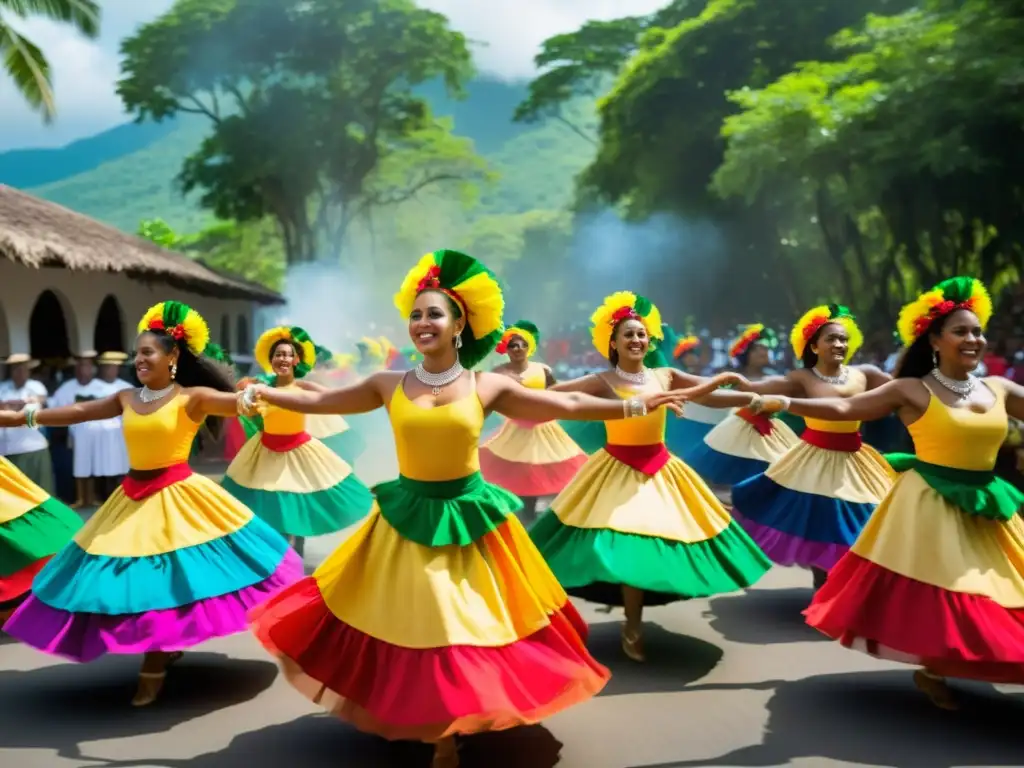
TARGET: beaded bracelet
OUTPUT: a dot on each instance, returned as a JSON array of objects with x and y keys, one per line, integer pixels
[
  {"x": 633, "y": 408},
  {"x": 30, "y": 415}
]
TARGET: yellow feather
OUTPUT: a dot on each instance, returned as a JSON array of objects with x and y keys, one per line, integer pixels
[
  {"x": 266, "y": 342},
  {"x": 531, "y": 342},
  {"x": 153, "y": 313},
  {"x": 406, "y": 296},
  {"x": 485, "y": 301},
  {"x": 601, "y": 320},
  {"x": 197, "y": 332}
]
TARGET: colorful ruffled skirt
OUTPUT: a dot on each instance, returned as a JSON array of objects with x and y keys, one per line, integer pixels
[
  {"x": 33, "y": 527},
  {"x": 590, "y": 436},
  {"x": 686, "y": 433},
  {"x": 936, "y": 577},
  {"x": 808, "y": 507},
  {"x": 234, "y": 437},
  {"x": 740, "y": 447},
  {"x": 636, "y": 516},
  {"x": 163, "y": 565},
  {"x": 297, "y": 485},
  {"x": 531, "y": 459},
  {"x": 437, "y": 617},
  {"x": 337, "y": 434}
]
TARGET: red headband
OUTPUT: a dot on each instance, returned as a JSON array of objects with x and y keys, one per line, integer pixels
[
  {"x": 624, "y": 313},
  {"x": 432, "y": 282},
  {"x": 814, "y": 326},
  {"x": 177, "y": 332},
  {"x": 939, "y": 310}
]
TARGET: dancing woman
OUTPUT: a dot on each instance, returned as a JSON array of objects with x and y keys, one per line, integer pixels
[
  {"x": 283, "y": 474},
  {"x": 636, "y": 525},
  {"x": 745, "y": 443},
  {"x": 936, "y": 577},
  {"x": 439, "y": 617},
  {"x": 809, "y": 506},
  {"x": 171, "y": 559},
  {"x": 529, "y": 458}
]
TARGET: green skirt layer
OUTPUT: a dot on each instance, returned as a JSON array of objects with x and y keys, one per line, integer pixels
[
  {"x": 595, "y": 563},
  {"x": 590, "y": 436},
  {"x": 984, "y": 494},
  {"x": 439, "y": 514},
  {"x": 307, "y": 514},
  {"x": 348, "y": 445},
  {"x": 41, "y": 532}
]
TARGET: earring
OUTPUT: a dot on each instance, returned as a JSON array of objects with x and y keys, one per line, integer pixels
[
  {"x": 174, "y": 370},
  {"x": 935, "y": 358},
  {"x": 458, "y": 341}
]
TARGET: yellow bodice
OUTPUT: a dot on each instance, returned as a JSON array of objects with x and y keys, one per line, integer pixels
[
  {"x": 836, "y": 427},
  {"x": 534, "y": 377},
  {"x": 278, "y": 421},
  {"x": 640, "y": 430},
  {"x": 439, "y": 443},
  {"x": 959, "y": 437},
  {"x": 159, "y": 439}
]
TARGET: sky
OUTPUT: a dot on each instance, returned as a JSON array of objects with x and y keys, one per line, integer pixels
[{"x": 508, "y": 33}]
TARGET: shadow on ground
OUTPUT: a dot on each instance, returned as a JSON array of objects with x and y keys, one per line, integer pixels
[
  {"x": 92, "y": 702},
  {"x": 879, "y": 719},
  {"x": 763, "y": 616},
  {"x": 323, "y": 740},
  {"x": 673, "y": 661}
]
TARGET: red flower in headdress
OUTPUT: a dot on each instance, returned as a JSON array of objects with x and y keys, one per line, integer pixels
[
  {"x": 624, "y": 313},
  {"x": 430, "y": 281}
]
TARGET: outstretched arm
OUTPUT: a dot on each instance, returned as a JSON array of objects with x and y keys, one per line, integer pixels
[
  {"x": 867, "y": 406},
  {"x": 65, "y": 416},
  {"x": 204, "y": 401},
  {"x": 874, "y": 376},
  {"x": 549, "y": 377},
  {"x": 788, "y": 385},
  {"x": 1014, "y": 399},
  {"x": 718, "y": 398},
  {"x": 311, "y": 386},
  {"x": 361, "y": 397},
  {"x": 591, "y": 384}
]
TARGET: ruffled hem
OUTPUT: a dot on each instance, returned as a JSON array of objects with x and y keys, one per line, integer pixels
[
  {"x": 594, "y": 563},
  {"x": 78, "y": 582},
  {"x": 36, "y": 535},
  {"x": 784, "y": 549},
  {"x": 439, "y": 514},
  {"x": 945, "y": 630},
  {"x": 809, "y": 517},
  {"x": 721, "y": 469},
  {"x": 529, "y": 480},
  {"x": 18, "y": 584},
  {"x": 590, "y": 436},
  {"x": 425, "y": 694},
  {"x": 307, "y": 514},
  {"x": 83, "y": 637}
]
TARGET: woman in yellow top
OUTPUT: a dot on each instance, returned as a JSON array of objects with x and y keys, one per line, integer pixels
[
  {"x": 438, "y": 617},
  {"x": 171, "y": 559},
  {"x": 531, "y": 459},
  {"x": 936, "y": 578},
  {"x": 636, "y": 525},
  {"x": 808, "y": 507},
  {"x": 283, "y": 474}
]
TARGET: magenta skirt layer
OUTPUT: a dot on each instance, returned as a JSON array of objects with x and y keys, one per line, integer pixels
[{"x": 83, "y": 637}]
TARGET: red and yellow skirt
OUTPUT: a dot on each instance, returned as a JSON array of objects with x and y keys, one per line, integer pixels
[{"x": 531, "y": 459}]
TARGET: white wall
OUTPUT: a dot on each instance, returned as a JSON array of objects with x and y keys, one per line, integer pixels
[{"x": 82, "y": 293}]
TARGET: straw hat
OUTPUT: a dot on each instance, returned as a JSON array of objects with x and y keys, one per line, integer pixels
[
  {"x": 112, "y": 358},
  {"x": 20, "y": 358},
  {"x": 88, "y": 354}
]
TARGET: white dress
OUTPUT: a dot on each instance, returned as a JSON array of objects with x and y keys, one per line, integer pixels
[{"x": 99, "y": 448}]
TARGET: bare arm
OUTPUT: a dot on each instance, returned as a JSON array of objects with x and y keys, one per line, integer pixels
[
  {"x": 310, "y": 386},
  {"x": 361, "y": 397},
  {"x": 1014, "y": 399},
  {"x": 788, "y": 385},
  {"x": 867, "y": 406},
  {"x": 204, "y": 401},
  {"x": 874, "y": 376},
  {"x": 718, "y": 398},
  {"x": 591, "y": 384},
  {"x": 65, "y": 416}
]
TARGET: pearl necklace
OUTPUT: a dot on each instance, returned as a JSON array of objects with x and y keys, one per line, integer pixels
[
  {"x": 633, "y": 378},
  {"x": 835, "y": 381},
  {"x": 148, "y": 395},
  {"x": 961, "y": 388},
  {"x": 438, "y": 380}
]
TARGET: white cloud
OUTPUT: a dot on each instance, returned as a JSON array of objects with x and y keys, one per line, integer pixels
[{"x": 85, "y": 72}]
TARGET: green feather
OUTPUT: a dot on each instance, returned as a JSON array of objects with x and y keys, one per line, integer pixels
[
  {"x": 956, "y": 289},
  {"x": 529, "y": 327},
  {"x": 643, "y": 306}
]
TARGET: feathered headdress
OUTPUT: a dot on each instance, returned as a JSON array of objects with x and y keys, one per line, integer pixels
[
  {"x": 753, "y": 334},
  {"x": 813, "y": 321},
  {"x": 948, "y": 296},
  {"x": 471, "y": 287},
  {"x": 294, "y": 335},
  {"x": 684, "y": 345},
  {"x": 372, "y": 348},
  {"x": 658, "y": 351},
  {"x": 623, "y": 306},
  {"x": 525, "y": 330},
  {"x": 179, "y": 321}
]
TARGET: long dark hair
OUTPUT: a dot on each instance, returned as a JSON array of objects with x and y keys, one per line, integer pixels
[
  {"x": 918, "y": 359},
  {"x": 809, "y": 358}
]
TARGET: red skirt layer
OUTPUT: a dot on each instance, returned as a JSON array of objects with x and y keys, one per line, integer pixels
[
  {"x": 425, "y": 694},
  {"x": 19, "y": 583},
  {"x": 952, "y": 633},
  {"x": 529, "y": 480}
]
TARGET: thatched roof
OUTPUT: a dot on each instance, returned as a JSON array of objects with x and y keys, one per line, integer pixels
[{"x": 38, "y": 233}]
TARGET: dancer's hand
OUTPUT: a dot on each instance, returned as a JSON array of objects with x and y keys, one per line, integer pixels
[
  {"x": 252, "y": 399},
  {"x": 670, "y": 400}
]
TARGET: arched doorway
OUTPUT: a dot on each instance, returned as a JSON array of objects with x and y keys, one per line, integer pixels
[
  {"x": 48, "y": 329},
  {"x": 5, "y": 335},
  {"x": 225, "y": 332},
  {"x": 243, "y": 347},
  {"x": 108, "y": 335}
]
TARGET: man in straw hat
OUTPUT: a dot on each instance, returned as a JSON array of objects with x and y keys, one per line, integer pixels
[
  {"x": 84, "y": 386},
  {"x": 26, "y": 448}
]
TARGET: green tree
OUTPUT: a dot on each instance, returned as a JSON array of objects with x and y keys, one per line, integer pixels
[
  {"x": 314, "y": 118},
  {"x": 24, "y": 62}
]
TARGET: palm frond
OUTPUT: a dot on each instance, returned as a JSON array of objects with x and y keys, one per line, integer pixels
[{"x": 29, "y": 69}]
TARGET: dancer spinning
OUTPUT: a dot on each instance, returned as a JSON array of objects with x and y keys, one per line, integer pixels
[
  {"x": 529, "y": 458},
  {"x": 745, "y": 443},
  {"x": 439, "y": 617},
  {"x": 637, "y": 526},
  {"x": 807, "y": 508},
  {"x": 33, "y": 527},
  {"x": 170, "y": 559},
  {"x": 936, "y": 578},
  {"x": 288, "y": 478}
]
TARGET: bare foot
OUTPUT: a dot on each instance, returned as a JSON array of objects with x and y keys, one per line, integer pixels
[{"x": 150, "y": 685}]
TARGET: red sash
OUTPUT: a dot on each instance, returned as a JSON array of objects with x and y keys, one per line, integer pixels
[
  {"x": 145, "y": 483},
  {"x": 758, "y": 421},
  {"x": 284, "y": 443},
  {"x": 848, "y": 442},
  {"x": 643, "y": 458}
]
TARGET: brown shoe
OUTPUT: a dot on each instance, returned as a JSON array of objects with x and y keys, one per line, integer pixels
[
  {"x": 936, "y": 689},
  {"x": 633, "y": 645}
]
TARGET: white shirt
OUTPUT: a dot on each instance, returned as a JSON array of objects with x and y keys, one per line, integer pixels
[
  {"x": 15, "y": 440},
  {"x": 71, "y": 390}
]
